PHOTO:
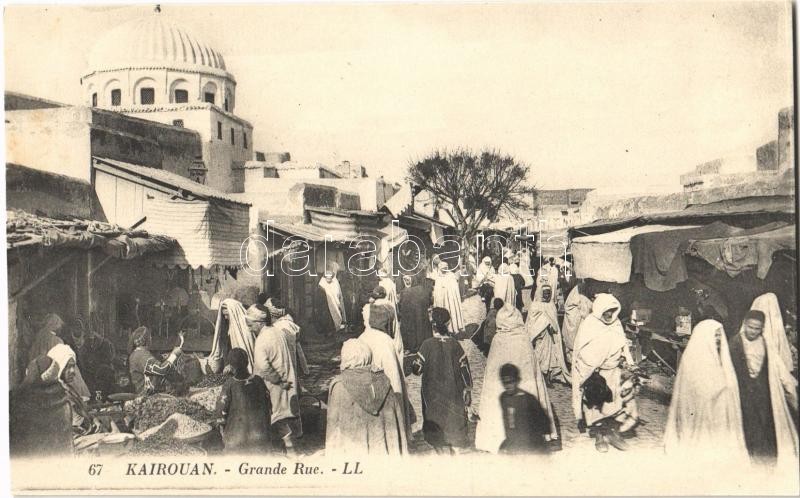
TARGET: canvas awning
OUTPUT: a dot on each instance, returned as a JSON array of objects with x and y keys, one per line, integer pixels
[
  {"x": 762, "y": 209},
  {"x": 607, "y": 257},
  {"x": 744, "y": 251},
  {"x": 208, "y": 233}
]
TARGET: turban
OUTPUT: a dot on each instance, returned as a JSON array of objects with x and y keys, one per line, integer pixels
[
  {"x": 381, "y": 317},
  {"x": 61, "y": 354},
  {"x": 139, "y": 337},
  {"x": 256, "y": 314},
  {"x": 755, "y": 315},
  {"x": 355, "y": 354},
  {"x": 443, "y": 265},
  {"x": 487, "y": 260},
  {"x": 276, "y": 309}
]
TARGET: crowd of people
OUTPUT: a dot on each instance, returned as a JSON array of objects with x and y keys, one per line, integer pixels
[{"x": 737, "y": 394}]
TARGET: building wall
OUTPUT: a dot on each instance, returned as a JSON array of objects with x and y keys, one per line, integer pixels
[
  {"x": 61, "y": 140},
  {"x": 55, "y": 140},
  {"x": 53, "y": 195},
  {"x": 770, "y": 158},
  {"x": 163, "y": 80},
  {"x": 220, "y": 156},
  {"x": 753, "y": 184}
]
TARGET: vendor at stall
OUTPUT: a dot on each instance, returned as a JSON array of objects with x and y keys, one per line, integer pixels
[{"x": 148, "y": 374}]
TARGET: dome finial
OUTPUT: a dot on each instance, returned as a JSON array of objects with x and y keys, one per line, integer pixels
[{"x": 158, "y": 8}]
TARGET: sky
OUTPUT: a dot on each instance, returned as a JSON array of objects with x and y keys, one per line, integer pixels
[{"x": 604, "y": 95}]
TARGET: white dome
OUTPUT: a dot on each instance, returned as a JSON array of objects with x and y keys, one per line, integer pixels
[{"x": 153, "y": 40}]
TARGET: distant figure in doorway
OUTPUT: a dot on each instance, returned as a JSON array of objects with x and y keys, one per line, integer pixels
[{"x": 332, "y": 316}]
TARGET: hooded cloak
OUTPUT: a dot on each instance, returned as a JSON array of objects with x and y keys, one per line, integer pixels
[
  {"x": 601, "y": 346},
  {"x": 238, "y": 332},
  {"x": 363, "y": 414},
  {"x": 510, "y": 345},
  {"x": 545, "y": 334},
  {"x": 705, "y": 411}
]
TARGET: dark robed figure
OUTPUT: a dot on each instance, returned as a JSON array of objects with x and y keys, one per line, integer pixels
[{"x": 414, "y": 302}]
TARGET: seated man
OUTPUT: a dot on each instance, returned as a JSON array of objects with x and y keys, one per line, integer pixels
[{"x": 148, "y": 374}]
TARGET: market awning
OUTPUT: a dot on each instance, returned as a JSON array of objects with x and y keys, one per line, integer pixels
[
  {"x": 658, "y": 256},
  {"x": 762, "y": 209},
  {"x": 754, "y": 249},
  {"x": 208, "y": 233},
  {"x": 607, "y": 257},
  {"x": 28, "y": 230}
]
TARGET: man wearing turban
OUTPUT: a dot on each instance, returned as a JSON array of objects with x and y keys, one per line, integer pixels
[{"x": 148, "y": 374}]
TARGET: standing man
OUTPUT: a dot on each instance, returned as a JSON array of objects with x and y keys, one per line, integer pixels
[
  {"x": 332, "y": 317},
  {"x": 766, "y": 389},
  {"x": 275, "y": 363},
  {"x": 446, "y": 294},
  {"x": 446, "y": 387},
  {"x": 414, "y": 302}
]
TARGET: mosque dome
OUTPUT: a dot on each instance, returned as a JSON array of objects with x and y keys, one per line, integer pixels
[{"x": 154, "y": 40}]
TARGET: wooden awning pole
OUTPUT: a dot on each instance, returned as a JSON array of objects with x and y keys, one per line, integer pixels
[{"x": 31, "y": 285}]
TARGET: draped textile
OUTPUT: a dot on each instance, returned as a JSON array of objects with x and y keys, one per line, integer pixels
[
  {"x": 504, "y": 288},
  {"x": 576, "y": 308},
  {"x": 548, "y": 275},
  {"x": 391, "y": 296},
  {"x": 273, "y": 355},
  {"x": 782, "y": 395},
  {"x": 446, "y": 294},
  {"x": 237, "y": 331},
  {"x": 601, "y": 346},
  {"x": 510, "y": 345},
  {"x": 335, "y": 300},
  {"x": 414, "y": 302},
  {"x": 705, "y": 412},
  {"x": 774, "y": 332},
  {"x": 364, "y": 415},
  {"x": 545, "y": 334},
  {"x": 384, "y": 357}
]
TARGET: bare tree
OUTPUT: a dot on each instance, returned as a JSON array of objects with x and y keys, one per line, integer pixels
[{"x": 473, "y": 188}]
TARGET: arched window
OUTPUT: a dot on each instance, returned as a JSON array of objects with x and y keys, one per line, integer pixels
[
  {"x": 112, "y": 93},
  {"x": 145, "y": 91},
  {"x": 229, "y": 103},
  {"x": 94, "y": 99},
  {"x": 210, "y": 93},
  {"x": 179, "y": 92}
]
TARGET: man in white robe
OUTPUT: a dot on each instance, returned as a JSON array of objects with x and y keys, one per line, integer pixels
[
  {"x": 335, "y": 299},
  {"x": 545, "y": 334},
  {"x": 484, "y": 274},
  {"x": 504, "y": 284},
  {"x": 447, "y": 295}
]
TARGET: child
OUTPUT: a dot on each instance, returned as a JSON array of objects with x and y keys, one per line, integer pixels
[
  {"x": 524, "y": 419},
  {"x": 245, "y": 408}
]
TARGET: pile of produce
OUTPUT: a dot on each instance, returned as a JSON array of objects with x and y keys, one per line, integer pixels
[
  {"x": 163, "y": 442},
  {"x": 207, "y": 397},
  {"x": 151, "y": 411},
  {"x": 212, "y": 380}
]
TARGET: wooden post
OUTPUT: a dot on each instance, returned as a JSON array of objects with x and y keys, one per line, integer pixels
[{"x": 35, "y": 282}]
